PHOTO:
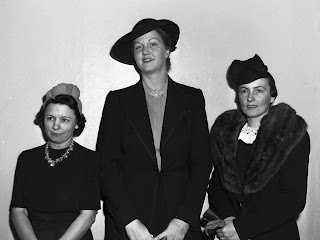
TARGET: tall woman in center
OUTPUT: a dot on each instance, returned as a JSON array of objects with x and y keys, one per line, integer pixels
[{"x": 154, "y": 143}]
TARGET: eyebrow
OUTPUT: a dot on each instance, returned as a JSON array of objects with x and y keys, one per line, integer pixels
[
  {"x": 253, "y": 87},
  {"x": 148, "y": 40},
  {"x": 60, "y": 116}
]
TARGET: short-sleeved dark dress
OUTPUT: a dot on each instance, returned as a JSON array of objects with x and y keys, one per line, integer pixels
[{"x": 54, "y": 196}]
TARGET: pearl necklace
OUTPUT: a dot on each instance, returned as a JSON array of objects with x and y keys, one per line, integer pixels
[{"x": 51, "y": 162}]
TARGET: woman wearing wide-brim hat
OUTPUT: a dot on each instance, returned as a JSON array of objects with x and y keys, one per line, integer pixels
[{"x": 154, "y": 143}]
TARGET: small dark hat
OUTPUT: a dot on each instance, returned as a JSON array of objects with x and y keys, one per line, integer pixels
[
  {"x": 122, "y": 49},
  {"x": 243, "y": 72}
]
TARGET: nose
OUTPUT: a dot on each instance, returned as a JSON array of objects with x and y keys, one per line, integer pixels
[
  {"x": 56, "y": 125},
  {"x": 250, "y": 96},
  {"x": 145, "y": 50}
]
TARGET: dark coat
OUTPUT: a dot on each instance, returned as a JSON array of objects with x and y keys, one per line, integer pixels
[
  {"x": 129, "y": 172},
  {"x": 273, "y": 193}
]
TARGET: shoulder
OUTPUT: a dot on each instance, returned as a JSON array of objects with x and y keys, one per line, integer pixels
[
  {"x": 27, "y": 157},
  {"x": 126, "y": 90},
  {"x": 232, "y": 117},
  {"x": 86, "y": 159},
  {"x": 285, "y": 123},
  {"x": 83, "y": 150},
  {"x": 32, "y": 152},
  {"x": 284, "y": 114},
  {"x": 185, "y": 88}
]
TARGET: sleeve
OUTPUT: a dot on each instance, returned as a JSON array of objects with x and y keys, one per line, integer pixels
[
  {"x": 90, "y": 187},
  {"x": 219, "y": 200},
  {"x": 17, "y": 199},
  {"x": 292, "y": 199},
  {"x": 114, "y": 192},
  {"x": 200, "y": 164}
]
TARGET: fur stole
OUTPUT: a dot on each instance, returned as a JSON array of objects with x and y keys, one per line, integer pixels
[{"x": 279, "y": 133}]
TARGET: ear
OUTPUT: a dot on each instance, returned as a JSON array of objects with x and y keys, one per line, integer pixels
[
  {"x": 272, "y": 100},
  {"x": 167, "y": 53},
  {"x": 76, "y": 127}
]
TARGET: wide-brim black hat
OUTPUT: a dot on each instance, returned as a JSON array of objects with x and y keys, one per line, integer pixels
[
  {"x": 243, "y": 72},
  {"x": 122, "y": 49}
]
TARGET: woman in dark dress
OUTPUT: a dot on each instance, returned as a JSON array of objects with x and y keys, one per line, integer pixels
[
  {"x": 261, "y": 156},
  {"x": 154, "y": 143},
  {"x": 56, "y": 187}
]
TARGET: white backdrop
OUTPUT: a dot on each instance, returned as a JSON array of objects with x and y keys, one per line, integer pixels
[{"x": 43, "y": 43}]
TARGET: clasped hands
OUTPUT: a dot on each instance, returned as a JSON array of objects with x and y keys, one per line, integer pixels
[{"x": 176, "y": 230}]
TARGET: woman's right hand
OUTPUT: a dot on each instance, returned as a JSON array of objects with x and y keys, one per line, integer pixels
[{"x": 137, "y": 231}]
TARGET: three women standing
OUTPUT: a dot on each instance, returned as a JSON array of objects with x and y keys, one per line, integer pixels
[{"x": 154, "y": 143}]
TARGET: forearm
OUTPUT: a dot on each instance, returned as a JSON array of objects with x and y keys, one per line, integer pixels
[
  {"x": 200, "y": 163},
  {"x": 80, "y": 225},
  {"x": 22, "y": 224},
  {"x": 219, "y": 201},
  {"x": 109, "y": 145}
]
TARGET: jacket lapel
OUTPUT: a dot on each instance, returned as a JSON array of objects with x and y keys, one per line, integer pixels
[
  {"x": 138, "y": 117},
  {"x": 174, "y": 110}
]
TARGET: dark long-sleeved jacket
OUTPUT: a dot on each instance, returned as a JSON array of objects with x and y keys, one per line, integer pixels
[
  {"x": 129, "y": 172},
  {"x": 273, "y": 193}
]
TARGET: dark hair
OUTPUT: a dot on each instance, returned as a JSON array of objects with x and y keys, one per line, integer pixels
[
  {"x": 65, "y": 100},
  {"x": 273, "y": 88},
  {"x": 166, "y": 38}
]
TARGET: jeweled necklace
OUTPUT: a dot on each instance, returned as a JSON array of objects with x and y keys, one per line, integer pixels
[
  {"x": 51, "y": 162},
  {"x": 156, "y": 93}
]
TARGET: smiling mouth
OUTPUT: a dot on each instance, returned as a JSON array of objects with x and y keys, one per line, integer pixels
[
  {"x": 251, "y": 106},
  {"x": 147, "y": 60}
]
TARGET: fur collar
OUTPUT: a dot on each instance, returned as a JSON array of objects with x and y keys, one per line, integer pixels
[{"x": 280, "y": 131}]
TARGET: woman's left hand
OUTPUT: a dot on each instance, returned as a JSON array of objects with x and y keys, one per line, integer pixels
[
  {"x": 228, "y": 232},
  {"x": 176, "y": 230}
]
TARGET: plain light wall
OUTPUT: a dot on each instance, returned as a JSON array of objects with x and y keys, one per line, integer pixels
[{"x": 43, "y": 43}]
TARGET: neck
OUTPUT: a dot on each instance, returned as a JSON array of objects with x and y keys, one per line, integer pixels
[
  {"x": 155, "y": 81},
  {"x": 253, "y": 122},
  {"x": 65, "y": 144}
]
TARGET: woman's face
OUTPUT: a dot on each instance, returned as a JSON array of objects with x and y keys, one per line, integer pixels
[
  {"x": 59, "y": 123},
  {"x": 150, "y": 53},
  {"x": 255, "y": 98}
]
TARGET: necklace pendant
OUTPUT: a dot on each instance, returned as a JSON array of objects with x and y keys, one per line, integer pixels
[{"x": 156, "y": 93}]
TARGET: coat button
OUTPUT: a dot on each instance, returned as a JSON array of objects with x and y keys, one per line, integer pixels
[{"x": 157, "y": 172}]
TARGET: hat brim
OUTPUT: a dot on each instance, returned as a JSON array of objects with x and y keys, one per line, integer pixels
[{"x": 122, "y": 49}]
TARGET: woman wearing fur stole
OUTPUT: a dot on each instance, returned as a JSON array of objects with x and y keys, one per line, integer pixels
[{"x": 261, "y": 156}]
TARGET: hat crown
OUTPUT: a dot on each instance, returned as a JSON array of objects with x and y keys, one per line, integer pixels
[
  {"x": 66, "y": 89},
  {"x": 242, "y": 72},
  {"x": 147, "y": 22}
]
